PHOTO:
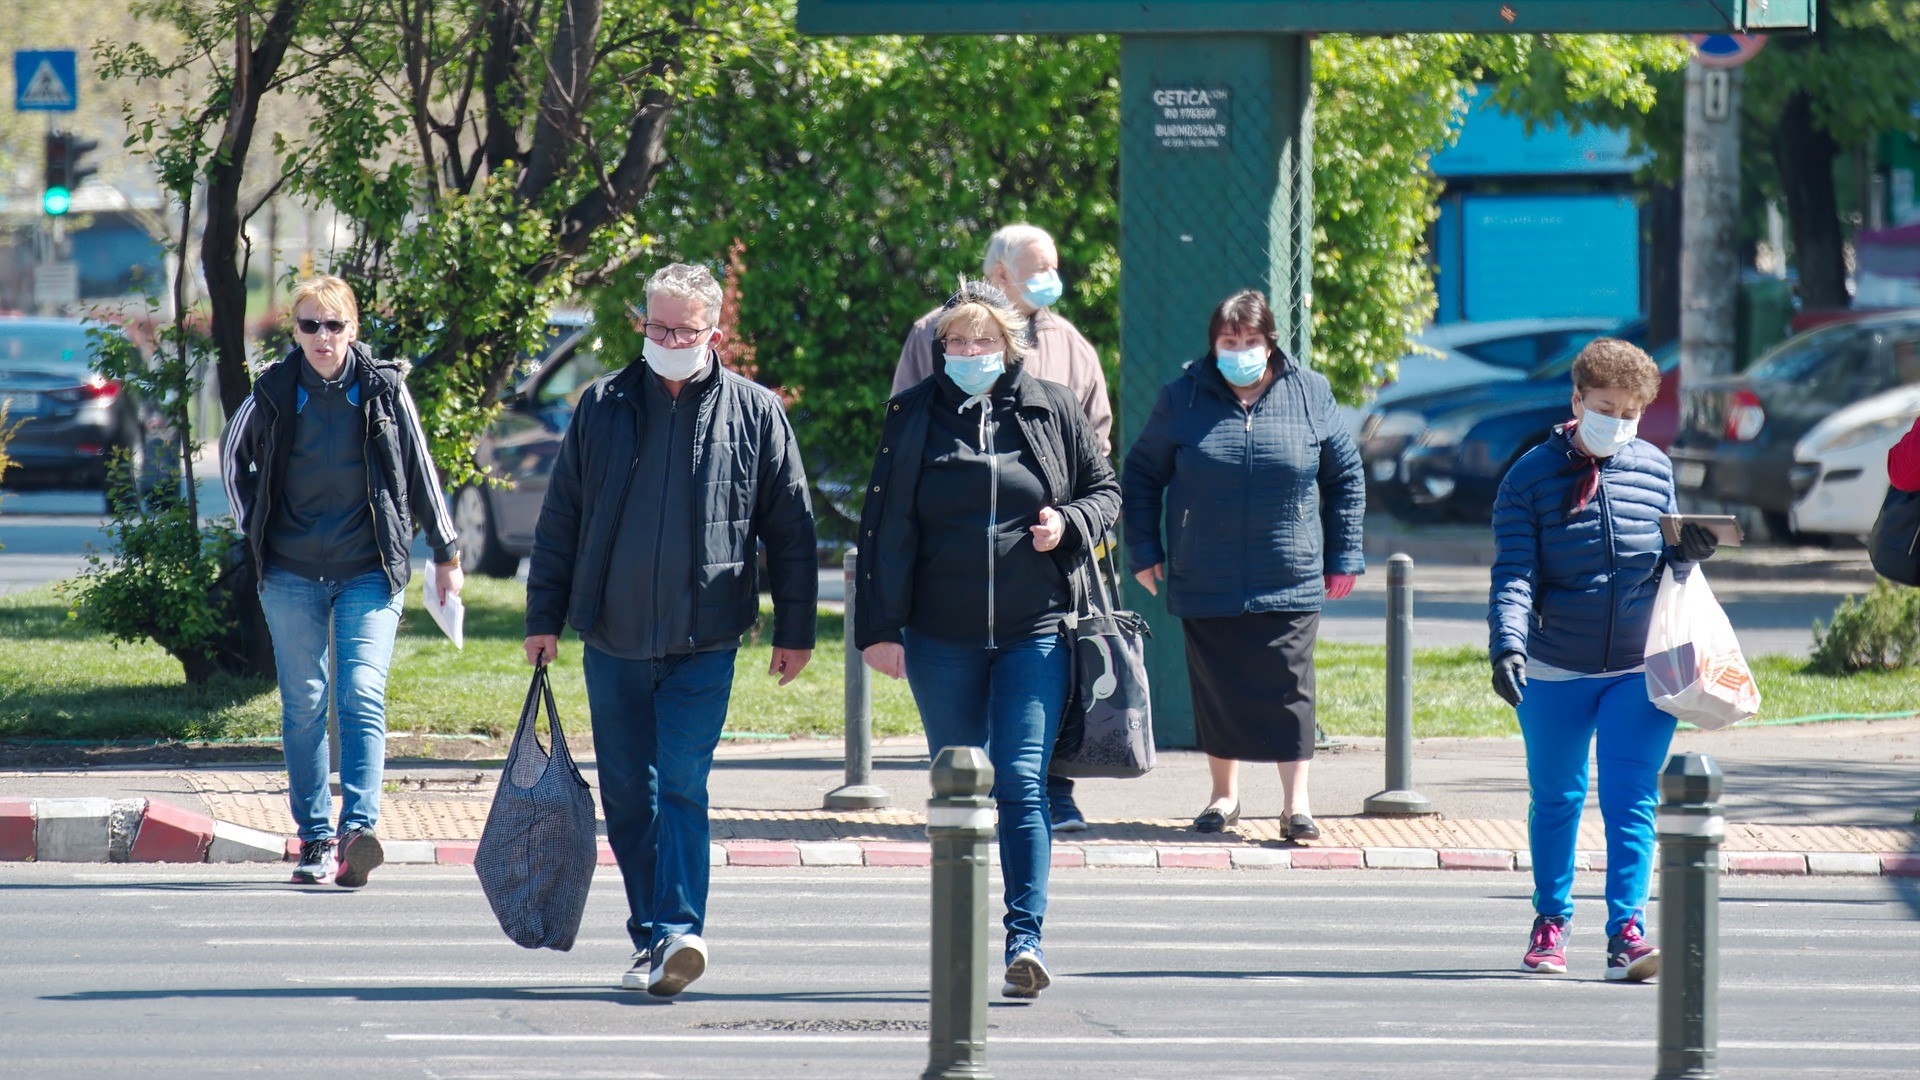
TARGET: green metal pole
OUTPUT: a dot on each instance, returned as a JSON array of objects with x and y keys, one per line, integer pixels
[
  {"x": 960, "y": 821},
  {"x": 1690, "y": 827},
  {"x": 1215, "y": 196}
]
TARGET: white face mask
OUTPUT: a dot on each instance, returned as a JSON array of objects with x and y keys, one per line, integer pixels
[
  {"x": 674, "y": 365},
  {"x": 1605, "y": 436}
]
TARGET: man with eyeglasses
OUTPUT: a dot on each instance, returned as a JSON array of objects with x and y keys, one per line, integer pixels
[
  {"x": 671, "y": 474},
  {"x": 1022, "y": 262}
]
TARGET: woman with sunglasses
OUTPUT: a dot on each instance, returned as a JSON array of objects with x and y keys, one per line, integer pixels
[{"x": 328, "y": 475}]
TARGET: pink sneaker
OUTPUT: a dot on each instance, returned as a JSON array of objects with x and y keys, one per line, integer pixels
[
  {"x": 1629, "y": 957},
  {"x": 1547, "y": 953}
]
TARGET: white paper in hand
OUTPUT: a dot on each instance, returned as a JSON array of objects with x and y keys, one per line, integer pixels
[{"x": 447, "y": 611}]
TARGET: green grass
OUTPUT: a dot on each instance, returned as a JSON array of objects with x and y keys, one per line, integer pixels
[{"x": 58, "y": 681}]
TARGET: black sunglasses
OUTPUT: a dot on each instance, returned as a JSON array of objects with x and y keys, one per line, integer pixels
[{"x": 312, "y": 326}]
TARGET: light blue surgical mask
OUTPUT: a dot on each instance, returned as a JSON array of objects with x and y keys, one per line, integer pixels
[
  {"x": 1604, "y": 436},
  {"x": 1242, "y": 367},
  {"x": 975, "y": 374},
  {"x": 1043, "y": 290}
]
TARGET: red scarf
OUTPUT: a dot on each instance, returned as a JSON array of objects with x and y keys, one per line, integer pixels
[{"x": 1586, "y": 487}]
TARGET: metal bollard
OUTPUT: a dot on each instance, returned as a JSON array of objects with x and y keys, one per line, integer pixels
[
  {"x": 859, "y": 792},
  {"x": 1690, "y": 828},
  {"x": 960, "y": 821},
  {"x": 1399, "y": 797}
]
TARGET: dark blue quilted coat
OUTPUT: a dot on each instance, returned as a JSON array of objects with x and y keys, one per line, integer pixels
[
  {"x": 1575, "y": 589},
  {"x": 1257, "y": 505}
]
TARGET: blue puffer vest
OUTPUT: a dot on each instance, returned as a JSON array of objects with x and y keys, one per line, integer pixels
[{"x": 1575, "y": 589}]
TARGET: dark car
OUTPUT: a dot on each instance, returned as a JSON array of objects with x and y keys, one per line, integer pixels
[
  {"x": 496, "y": 521},
  {"x": 70, "y": 419},
  {"x": 1387, "y": 433},
  {"x": 1738, "y": 432},
  {"x": 1453, "y": 470}
]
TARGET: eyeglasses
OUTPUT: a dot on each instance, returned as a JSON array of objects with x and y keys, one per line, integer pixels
[
  {"x": 313, "y": 326},
  {"x": 960, "y": 344},
  {"x": 678, "y": 335}
]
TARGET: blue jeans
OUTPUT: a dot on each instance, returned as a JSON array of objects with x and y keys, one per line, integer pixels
[
  {"x": 655, "y": 726},
  {"x": 1559, "y": 721},
  {"x": 1008, "y": 700},
  {"x": 334, "y": 635}
]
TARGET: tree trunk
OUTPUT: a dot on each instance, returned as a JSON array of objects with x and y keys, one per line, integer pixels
[
  {"x": 1804, "y": 153},
  {"x": 1663, "y": 263}
]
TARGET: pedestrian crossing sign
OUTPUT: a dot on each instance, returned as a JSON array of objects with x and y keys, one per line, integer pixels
[{"x": 45, "y": 80}]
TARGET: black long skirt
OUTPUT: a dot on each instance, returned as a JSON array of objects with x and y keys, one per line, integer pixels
[{"x": 1252, "y": 679}]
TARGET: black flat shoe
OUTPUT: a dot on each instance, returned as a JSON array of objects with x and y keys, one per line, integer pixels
[
  {"x": 1301, "y": 827},
  {"x": 1212, "y": 819}
]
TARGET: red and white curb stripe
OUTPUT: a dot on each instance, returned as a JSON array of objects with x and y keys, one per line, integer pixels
[{"x": 147, "y": 830}]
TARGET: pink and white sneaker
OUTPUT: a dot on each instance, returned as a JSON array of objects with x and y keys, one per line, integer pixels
[
  {"x": 1629, "y": 957},
  {"x": 1547, "y": 952}
]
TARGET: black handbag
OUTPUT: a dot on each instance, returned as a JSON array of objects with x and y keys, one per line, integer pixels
[
  {"x": 538, "y": 850},
  {"x": 1894, "y": 543},
  {"x": 1107, "y": 729}
]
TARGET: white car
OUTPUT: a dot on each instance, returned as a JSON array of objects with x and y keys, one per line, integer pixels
[
  {"x": 1471, "y": 353},
  {"x": 1840, "y": 466}
]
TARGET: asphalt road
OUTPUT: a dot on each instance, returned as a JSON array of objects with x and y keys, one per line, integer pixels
[{"x": 205, "y": 971}]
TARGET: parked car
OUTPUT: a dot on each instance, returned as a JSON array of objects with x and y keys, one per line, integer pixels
[
  {"x": 496, "y": 521},
  {"x": 70, "y": 418},
  {"x": 1453, "y": 470},
  {"x": 1478, "y": 353},
  {"x": 1840, "y": 466},
  {"x": 1739, "y": 433},
  {"x": 1388, "y": 430}
]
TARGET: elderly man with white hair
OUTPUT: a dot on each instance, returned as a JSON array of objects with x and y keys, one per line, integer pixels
[
  {"x": 671, "y": 474},
  {"x": 1022, "y": 262}
]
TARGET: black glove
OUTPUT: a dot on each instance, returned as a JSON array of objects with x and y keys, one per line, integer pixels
[
  {"x": 1697, "y": 544},
  {"x": 1509, "y": 675}
]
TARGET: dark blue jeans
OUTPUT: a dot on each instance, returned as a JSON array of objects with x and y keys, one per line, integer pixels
[
  {"x": 655, "y": 726},
  {"x": 332, "y": 639},
  {"x": 1008, "y": 700}
]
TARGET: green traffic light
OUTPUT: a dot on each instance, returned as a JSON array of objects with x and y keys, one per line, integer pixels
[{"x": 56, "y": 201}]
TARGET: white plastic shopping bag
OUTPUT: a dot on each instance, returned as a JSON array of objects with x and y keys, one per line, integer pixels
[{"x": 1694, "y": 667}]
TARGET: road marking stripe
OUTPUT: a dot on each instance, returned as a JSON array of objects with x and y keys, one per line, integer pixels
[
  {"x": 871, "y": 943},
  {"x": 1152, "y": 1040},
  {"x": 590, "y": 982}
]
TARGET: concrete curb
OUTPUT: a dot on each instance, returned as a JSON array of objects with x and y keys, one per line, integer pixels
[{"x": 143, "y": 830}]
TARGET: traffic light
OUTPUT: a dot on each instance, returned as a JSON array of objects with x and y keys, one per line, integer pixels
[{"x": 65, "y": 171}]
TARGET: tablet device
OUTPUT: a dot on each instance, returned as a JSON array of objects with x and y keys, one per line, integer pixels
[{"x": 1724, "y": 527}]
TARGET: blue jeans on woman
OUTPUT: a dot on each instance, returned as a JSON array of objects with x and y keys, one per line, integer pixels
[
  {"x": 655, "y": 726},
  {"x": 1559, "y": 721},
  {"x": 1008, "y": 700},
  {"x": 338, "y": 636}
]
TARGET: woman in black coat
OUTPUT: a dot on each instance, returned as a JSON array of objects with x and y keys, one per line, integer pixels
[
  {"x": 1257, "y": 482},
  {"x": 988, "y": 491}
]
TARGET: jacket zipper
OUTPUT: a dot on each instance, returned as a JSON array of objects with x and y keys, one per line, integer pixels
[
  {"x": 988, "y": 430},
  {"x": 660, "y": 519},
  {"x": 1606, "y": 525},
  {"x": 1246, "y": 497}
]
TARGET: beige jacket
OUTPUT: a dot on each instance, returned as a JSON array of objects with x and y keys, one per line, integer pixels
[{"x": 1061, "y": 355}]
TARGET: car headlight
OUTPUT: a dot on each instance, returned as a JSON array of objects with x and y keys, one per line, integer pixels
[
  {"x": 1400, "y": 424},
  {"x": 1448, "y": 434},
  {"x": 1888, "y": 429}
]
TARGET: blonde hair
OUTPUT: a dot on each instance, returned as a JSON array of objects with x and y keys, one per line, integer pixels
[
  {"x": 326, "y": 291},
  {"x": 972, "y": 313}
]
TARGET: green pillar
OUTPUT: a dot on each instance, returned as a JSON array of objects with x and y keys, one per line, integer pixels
[{"x": 1216, "y": 196}]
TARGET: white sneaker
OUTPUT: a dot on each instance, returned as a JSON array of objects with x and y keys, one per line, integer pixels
[
  {"x": 677, "y": 964},
  {"x": 1026, "y": 976},
  {"x": 636, "y": 976}
]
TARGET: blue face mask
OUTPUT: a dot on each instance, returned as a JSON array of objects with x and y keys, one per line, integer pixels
[
  {"x": 1242, "y": 367},
  {"x": 1043, "y": 290},
  {"x": 975, "y": 374}
]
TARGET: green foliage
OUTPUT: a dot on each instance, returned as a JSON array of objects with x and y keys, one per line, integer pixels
[
  {"x": 1877, "y": 632},
  {"x": 6, "y": 433}
]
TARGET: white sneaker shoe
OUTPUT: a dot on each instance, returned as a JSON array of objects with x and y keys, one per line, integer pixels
[
  {"x": 677, "y": 964},
  {"x": 636, "y": 976},
  {"x": 1026, "y": 976}
]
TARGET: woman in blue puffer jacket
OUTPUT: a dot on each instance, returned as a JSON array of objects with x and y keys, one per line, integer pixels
[
  {"x": 1246, "y": 463},
  {"x": 1577, "y": 522}
]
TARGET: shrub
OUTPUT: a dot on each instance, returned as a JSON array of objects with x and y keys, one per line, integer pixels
[{"x": 1879, "y": 632}]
